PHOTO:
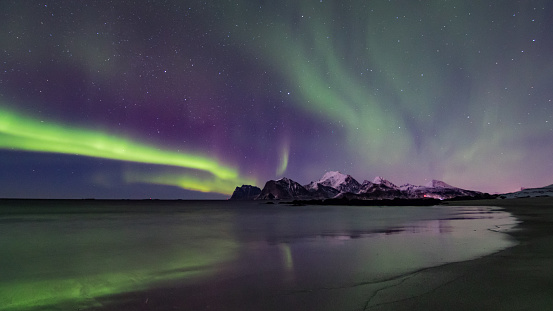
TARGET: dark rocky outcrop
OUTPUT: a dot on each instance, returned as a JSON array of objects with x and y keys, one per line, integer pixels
[
  {"x": 283, "y": 189},
  {"x": 319, "y": 191},
  {"x": 246, "y": 192}
]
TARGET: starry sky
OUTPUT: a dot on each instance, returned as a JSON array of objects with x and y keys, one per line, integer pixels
[{"x": 189, "y": 99}]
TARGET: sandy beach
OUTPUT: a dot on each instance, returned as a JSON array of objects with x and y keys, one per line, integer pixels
[
  {"x": 518, "y": 278},
  {"x": 324, "y": 275}
]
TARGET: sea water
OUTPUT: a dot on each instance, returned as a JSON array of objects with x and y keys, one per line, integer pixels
[{"x": 69, "y": 255}]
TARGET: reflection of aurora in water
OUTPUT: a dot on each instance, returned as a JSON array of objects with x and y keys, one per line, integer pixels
[
  {"x": 70, "y": 260},
  {"x": 81, "y": 254}
]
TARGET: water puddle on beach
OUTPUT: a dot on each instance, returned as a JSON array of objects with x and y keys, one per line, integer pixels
[{"x": 227, "y": 255}]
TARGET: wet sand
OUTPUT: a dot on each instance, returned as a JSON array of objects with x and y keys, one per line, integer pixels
[{"x": 518, "y": 278}]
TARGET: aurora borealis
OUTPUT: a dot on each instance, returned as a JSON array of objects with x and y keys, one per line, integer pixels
[
  {"x": 189, "y": 99},
  {"x": 32, "y": 135}
]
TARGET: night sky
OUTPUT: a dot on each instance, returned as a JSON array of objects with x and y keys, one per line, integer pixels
[{"x": 189, "y": 99}]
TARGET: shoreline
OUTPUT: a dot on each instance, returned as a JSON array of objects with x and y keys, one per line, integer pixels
[
  {"x": 517, "y": 278},
  {"x": 511, "y": 279}
]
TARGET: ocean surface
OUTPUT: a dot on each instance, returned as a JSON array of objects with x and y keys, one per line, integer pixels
[{"x": 224, "y": 255}]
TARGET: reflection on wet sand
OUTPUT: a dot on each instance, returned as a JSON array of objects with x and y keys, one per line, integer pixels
[
  {"x": 231, "y": 257},
  {"x": 71, "y": 260}
]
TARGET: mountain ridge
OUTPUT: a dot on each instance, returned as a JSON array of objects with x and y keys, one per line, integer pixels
[{"x": 335, "y": 185}]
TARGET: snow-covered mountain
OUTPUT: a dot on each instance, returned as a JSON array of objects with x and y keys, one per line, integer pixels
[
  {"x": 337, "y": 185},
  {"x": 436, "y": 189},
  {"x": 408, "y": 187},
  {"x": 384, "y": 183},
  {"x": 438, "y": 184},
  {"x": 365, "y": 186},
  {"x": 380, "y": 188},
  {"x": 336, "y": 180},
  {"x": 546, "y": 191}
]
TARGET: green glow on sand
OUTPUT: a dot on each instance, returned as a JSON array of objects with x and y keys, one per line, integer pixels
[
  {"x": 83, "y": 289},
  {"x": 287, "y": 256},
  {"x": 77, "y": 271},
  {"x": 18, "y": 132}
]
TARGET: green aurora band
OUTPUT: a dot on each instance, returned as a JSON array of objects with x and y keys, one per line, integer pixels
[
  {"x": 384, "y": 86},
  {"x": 27, "y": 134},
  {"x": 186, "y": 181},
  {"x": 320, "y": 65},
  {"x": 284, "y": 157}
]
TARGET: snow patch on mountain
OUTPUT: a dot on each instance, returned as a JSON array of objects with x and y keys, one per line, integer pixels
[
  {"x": 333, "y": 179},
  {"x": 546, "y": 191},
  {"x": 438, "y": 184},
  {"x": 336, "y": 180},
  {"x": 409, "y": 187},
  {"x": 381, "y": 181}
]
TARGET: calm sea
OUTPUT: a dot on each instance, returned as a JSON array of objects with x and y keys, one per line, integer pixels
[{"x": 223, "y": 255}]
